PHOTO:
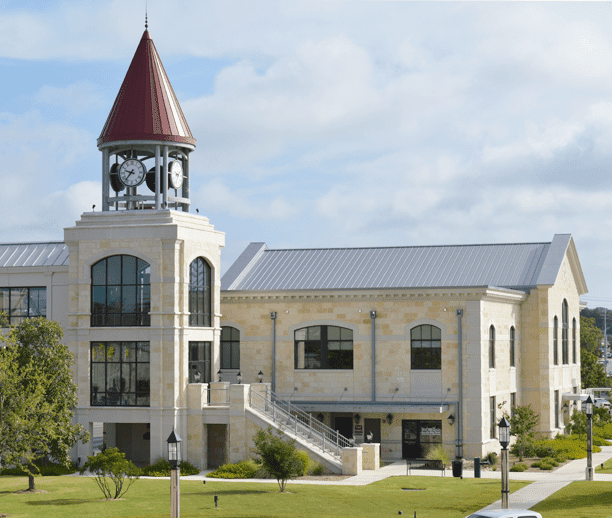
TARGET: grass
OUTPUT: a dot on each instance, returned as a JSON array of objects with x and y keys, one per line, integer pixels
[
  {"x": 578, "y": 500},
  {"x": 607, "y": 467},
  {"x": 76, "y": 496}
]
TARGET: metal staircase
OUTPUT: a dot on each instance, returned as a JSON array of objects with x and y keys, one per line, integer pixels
[{"x": 296, "y": 423}]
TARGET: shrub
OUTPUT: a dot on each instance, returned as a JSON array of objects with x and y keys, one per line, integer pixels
[
  {"x": 305, "y": 459},
  {"x": 560, "y": 457},
  {"x": 317, "y": 470},
  {"x": 439, "y": 453},
  {"x": 519, "y": 467},
  {"x": 546, "y": 466},
  {"x": 242, "y": 469},
  {"x": 278, "y": 457},
  {"x": 161, "y": 468},
  {"x": 550, "y": 460},
  {"x": 112, "y": 471},
  {"x": 46, "y": 469},
  {"x": 492, "y": 458}
]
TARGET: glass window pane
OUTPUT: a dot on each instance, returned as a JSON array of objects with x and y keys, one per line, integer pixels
[
  {"x": 128, "y": 353},
  {"x": 347, "y": 345},
  {"x": 314, "y": 333},
  {"x": 426, "y": 332},
  {"x": 193, "y": 351},
  {"x": 235, "y": 355},
  {"x": 300, "y": 334},
  {"x": 436, "y": 333},
  {"x": 113, "y": 299},
  {"x": 415, "y": 334},
  {"x": 333, "y": 333},
  {"x": 4, "y": 299},
  {"x": 98, "y": 273},
  {"x": 144, "y": 272},
  {"x": 346, "y": 334},
  {"x": 143, "y": 379},
  {"x": 226, "y": 333},
  {"x": 99, "y": 299},
  {"x": 19, "y": 302},
  {"x": 98, "y": 352},
  {"x": 113, "y": 352},
  {"x": 235, "y": 334},
  {"x": 128, "y": 377},
  {"x": 226, "y": 355},
  {"x": 195, "y": 372},
  {"x": 129, "y": 269},
  {"x": 333, "y": 346},
  {"x": 143, "y": 351},
  {"x": 114, "y": 270}
]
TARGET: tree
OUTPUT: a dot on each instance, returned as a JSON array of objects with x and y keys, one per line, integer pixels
[
  {"x": 37, "y": 397},
  {"x": 523, "y": 425},
  {"x": 591, "y": 371},
  {"x": 112, "y": 470},
  {"x": 278, "y": 457},
  {"x": 590, "y": 336}
]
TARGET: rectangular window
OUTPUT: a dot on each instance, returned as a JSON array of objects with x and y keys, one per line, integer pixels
[
  {"x": 512, "y": 345},
  {"x": 230, "y": 348},
  {"x": 512, "y": 403},
  {"x": 556, "y": 409},
  {"x": 120, "y": 374},
  {"x": 21, "y": 303},
  {"x": 323, "y": 347},
  {"x": 493, "y": 417},
  {"x": 199, "y": 362}
]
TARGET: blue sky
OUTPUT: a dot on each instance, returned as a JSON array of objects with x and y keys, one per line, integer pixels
[{"x": 330, "y": 124}]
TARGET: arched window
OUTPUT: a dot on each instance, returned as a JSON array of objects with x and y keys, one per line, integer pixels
[
  {"x": 323, "y": 347},
  {"x": 230, "y": 348},
  {"x": 574, "y": 358},
  {"x": 512, "y": 340},
  {"x": 492, "y": 347},
  {"x": 120, "y": 292},
  {"x": 556, "y": 341},
  {"x": 426, "y": 347},
  {"x": 200, "y": 293},
  {"x": 564, "y": 333}
]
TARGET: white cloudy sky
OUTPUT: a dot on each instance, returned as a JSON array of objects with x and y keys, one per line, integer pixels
[{"x": 330, "y": 123}]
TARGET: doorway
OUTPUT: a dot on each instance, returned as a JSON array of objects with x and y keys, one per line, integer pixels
[
  {"x": 372, "y": 425},
  {"x": 344, "y": 426},
  {"x": 418, "y": 437}
]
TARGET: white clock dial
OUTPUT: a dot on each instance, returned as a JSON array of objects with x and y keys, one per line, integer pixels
[
  {"x": 132, "y": 172},
  {"x": 176, "y": 174}
]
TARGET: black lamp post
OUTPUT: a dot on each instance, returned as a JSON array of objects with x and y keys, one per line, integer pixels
[
  {"x": 589, "y": 414},
  {"x": 174, "y": 457},
  {"x": 504, "y": 440}
]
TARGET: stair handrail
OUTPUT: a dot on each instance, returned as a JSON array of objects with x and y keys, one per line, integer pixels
[{"x": 299, "y": 422}]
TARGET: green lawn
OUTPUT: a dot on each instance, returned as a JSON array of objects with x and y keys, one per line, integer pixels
[
  {"x": 607, "y": 467},
  {"x": 79, "y": 497},
  {"x": 579, "y": 500}
]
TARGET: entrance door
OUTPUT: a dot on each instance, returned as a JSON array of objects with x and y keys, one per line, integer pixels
[
  {"x": 418, "y": 437},
  {"x": 344, "y": 425},
  {"x": 372, "y": 425},
  {"x": 411, "y": 448}
]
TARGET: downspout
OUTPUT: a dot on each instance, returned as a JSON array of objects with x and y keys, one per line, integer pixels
[
  {"x": 373, "y": 318},
  {"x": 459, "y": 431},
  {"x": 273, "y": 318}
]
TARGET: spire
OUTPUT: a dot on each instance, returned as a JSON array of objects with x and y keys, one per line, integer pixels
[{"x": 146, "y": 107}]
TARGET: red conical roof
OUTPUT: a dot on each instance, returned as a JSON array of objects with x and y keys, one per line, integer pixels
[{"x": 146, "y": 107}]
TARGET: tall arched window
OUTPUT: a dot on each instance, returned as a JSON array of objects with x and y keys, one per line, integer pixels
[
  {"x": 574, "y": 358},
  {"x": 492, "y": 347},
  {"x": 564, "y": 333},
  {"x": 323, "y": 347},
  {"x": 512, "y": 341},
  {"x": 200, "y": 293},
  {"x": 426, "y": 347},
  {"x": 230, "y": 348},
  {"x": 556, "y": 341},
  {"x": 120, "y": 292}
]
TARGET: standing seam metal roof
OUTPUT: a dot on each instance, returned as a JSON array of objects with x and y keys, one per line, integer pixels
[
  {"x": 510, "y": 265},
  {"x": 52, "y": 253}
]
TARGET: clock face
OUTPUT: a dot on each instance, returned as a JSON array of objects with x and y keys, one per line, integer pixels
[
  {"x": 176, "y": 174},
  {"x": 132, "y": 172}
]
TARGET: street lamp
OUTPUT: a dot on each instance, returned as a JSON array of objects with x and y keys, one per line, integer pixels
[
  {"x": 589, "y": 414},
  {"x": 174, "y": 457},
  {"x": 504, "y": 440}
]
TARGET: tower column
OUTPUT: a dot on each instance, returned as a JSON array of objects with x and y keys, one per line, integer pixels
[
  {"x": 105, "y": 179},
  {"x": 186, "y": 181},
  {"x": 157, "y": 177},
  {"x": 164, "y": 178}
]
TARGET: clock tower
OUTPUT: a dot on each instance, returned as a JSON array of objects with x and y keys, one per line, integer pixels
[{"x": 144, "y": 279}]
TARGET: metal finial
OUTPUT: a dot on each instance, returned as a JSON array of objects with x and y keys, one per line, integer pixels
[{"x": 146, "y": 16}]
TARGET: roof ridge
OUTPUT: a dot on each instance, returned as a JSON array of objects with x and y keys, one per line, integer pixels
[
  {"x": 34, "y": 243},
  {"x": 405, "y": 246}
]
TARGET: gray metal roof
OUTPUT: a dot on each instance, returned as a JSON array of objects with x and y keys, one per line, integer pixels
[
  {"x": 515, "y": 266},
  {"x": 53, "y": 253}
]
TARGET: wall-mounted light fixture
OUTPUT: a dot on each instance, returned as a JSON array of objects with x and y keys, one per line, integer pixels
[
  {"x": 357, "y": 418},
  {"x": 320, "y": 417},
  {"x": 389, "y": 418},
  {"x": 451, "y": 419}
]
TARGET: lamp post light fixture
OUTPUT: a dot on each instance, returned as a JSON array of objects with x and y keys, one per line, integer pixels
[
  {"x": 239, "y": 377},
  {"x": 504, "y": 440},
  {"x": 220, "y": 374},
  {"x": 357, "y": 418},
  {"x": 390, "y": 418},
  {"x": 174, "y": 458},
  {"x": 589, "y": 414},
  {"x": 260, "y": 376}
]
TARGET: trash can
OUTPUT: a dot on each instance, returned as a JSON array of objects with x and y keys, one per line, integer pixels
[
  {"x": 458, "y": 468},
  {"x": 476, "y": 467}
]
